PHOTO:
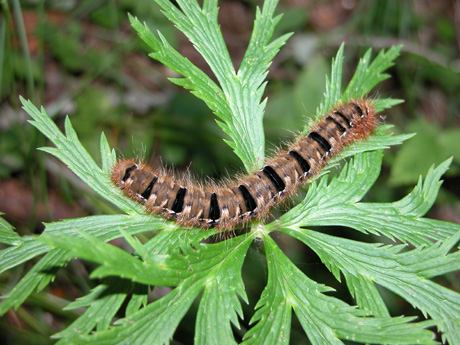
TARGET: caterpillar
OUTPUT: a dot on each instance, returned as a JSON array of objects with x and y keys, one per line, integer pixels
[{"x": 236, "y": 203}]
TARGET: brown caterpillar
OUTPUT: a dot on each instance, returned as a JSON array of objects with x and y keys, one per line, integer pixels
[{"x": 252, "y": 196}]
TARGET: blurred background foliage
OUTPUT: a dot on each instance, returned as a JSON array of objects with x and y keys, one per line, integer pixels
[{"x": 81, "y": 58}]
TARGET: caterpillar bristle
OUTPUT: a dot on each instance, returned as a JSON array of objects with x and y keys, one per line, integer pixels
[{"x": 236, "y": 202}]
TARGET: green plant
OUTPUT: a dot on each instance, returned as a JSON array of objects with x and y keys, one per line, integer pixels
[{"x": 176, "y": 257}]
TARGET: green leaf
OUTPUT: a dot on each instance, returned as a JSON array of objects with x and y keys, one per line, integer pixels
[
  {"x": 368, "y": 75},
  {"x": 273, "y": 314},
  {"x": 139, "y": 299},
  {"x": 38, "y": 277},
  {"x": 379, "y": 140},
  {"x": 31, "y": 247},
  {"x": 393, "y": 270},
  {"x": 324, "y": 319},
  {"x": 176, "y": 241},
  {"x": 337, "y": 204},
  {"x": 105, "y": 228},
  {"x": 27, "y": 249},
  {"x": 365, "y": 78},
  {"x": 238, "y": 100},
  {"x": 433, "y": 261},
  {"x": 70, "y": 151},
  {"x": 423, "y": 196},
  {"x": 366, "y": 295},
  {"x": 385, "y": 103},
  {"x": 260, "y": 51},
  {"x": 156, "y": 270},
  {"x": 108, "y": 156},
  {"x": 7, "y": 234},
  {"x": 219, "y": 304},
  {"x": 102, "y": 303},
  {"x": 214, "y": 267},
  {"x": 333, "y": 85},
  {"x": 356, "y": 178},
  {"x": 154, "y": 324}
]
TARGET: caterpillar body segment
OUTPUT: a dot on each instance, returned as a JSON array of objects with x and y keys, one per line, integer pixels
[{"x": 251, "y": 196}]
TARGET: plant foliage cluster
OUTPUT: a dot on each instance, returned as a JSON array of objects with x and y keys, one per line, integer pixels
[{"x": 212, "y": 273}]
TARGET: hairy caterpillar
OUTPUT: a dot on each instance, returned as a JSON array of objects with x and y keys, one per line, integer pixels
[{"x": 251, "y": 196}]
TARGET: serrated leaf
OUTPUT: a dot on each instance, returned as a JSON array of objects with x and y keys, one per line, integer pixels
[
  {"x": 392, "y": 270},
  {"x": 356, "y": 178},
  {"x": 273, "y": 314},
  {"x": 219, "y": 304},
  {"x": 238, "y": 101},
  {"x": 366, "y": 295},
  {"x": 36, "y": 279},
  {"x": 260, "y": 51},
  {"x": 385, "y": 103},
  {"x": 164, "y": 270},
  {"x": 333, "y": 86},
  {"x": 108, "y": 156},
  {"x": 104, "y": 227},
  {"x": 155, "y": 323},
  {"x": 70, "y": 151},
  {"x": 421, "y": 199},
  {"x": 437, "y": 259},
  {"x": 380, "y": 140},
  {"x": 7, "y": 234},
  {"x": 26, "y": 250},
  {"x": 103, "y": 303},
  {"x": 139, "y": 299},
  {"x": 324, "y": 319},
  {"x": 336, "y": 204},
  {"x": 369, "y": 74}
]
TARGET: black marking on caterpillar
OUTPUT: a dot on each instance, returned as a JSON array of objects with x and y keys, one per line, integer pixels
[{"x": 252, "y": 196}]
